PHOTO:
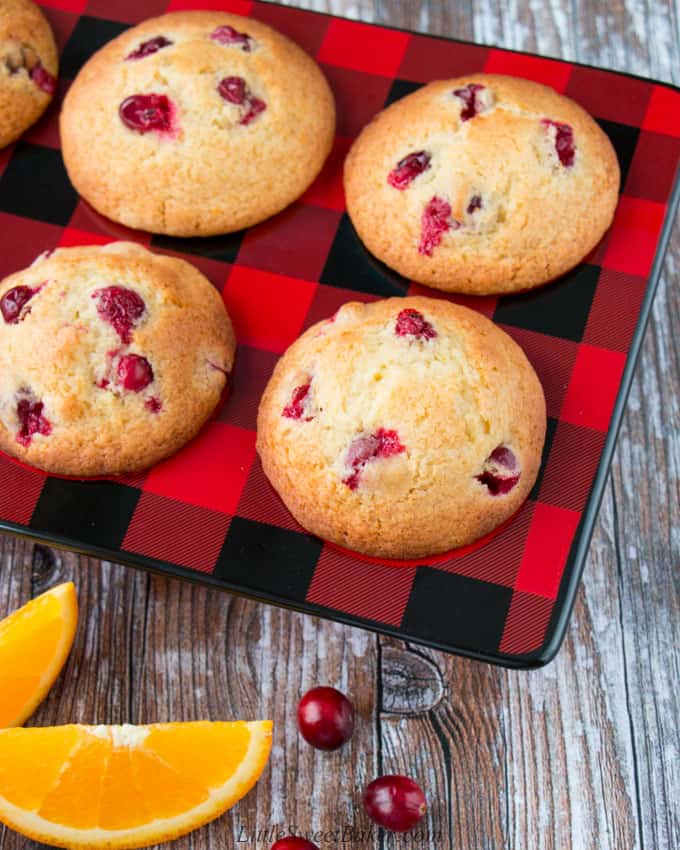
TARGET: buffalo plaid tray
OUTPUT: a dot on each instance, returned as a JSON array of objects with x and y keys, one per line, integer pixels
[{"x": 208, "y": 514}]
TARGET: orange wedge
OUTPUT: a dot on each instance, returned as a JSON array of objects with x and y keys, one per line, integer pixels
[
  {"x": 126, "y": 786},
  {"x": 34, "y": 644}
]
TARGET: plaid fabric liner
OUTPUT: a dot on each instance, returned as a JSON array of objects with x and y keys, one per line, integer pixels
[{"x": 208, "y": 512}]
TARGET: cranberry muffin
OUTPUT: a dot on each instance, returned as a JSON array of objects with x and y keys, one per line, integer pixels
[
  {"x": 111, "y": 358},
  {"x": 482, "y": 184},
  {"x": 402, "y": 428},
  {"x": 195, "y": 124},
  {"x": 28, "y": 67}
]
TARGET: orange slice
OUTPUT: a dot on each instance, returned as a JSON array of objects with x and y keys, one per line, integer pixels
[
  {"x": 126, "y": 786},
  {"x": 34, "y": 644}
]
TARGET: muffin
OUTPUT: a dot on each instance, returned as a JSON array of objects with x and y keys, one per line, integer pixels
[
  {"x": 482, "y": 184},
  {"x": 111, "y": 358},
  {"x": 402, "y": 428},
  {"x": 195, "y": 124},
  {"x": 28, "y": 67}
]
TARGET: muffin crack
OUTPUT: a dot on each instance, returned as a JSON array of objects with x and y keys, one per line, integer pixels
[{"x": 19, "y": 57}]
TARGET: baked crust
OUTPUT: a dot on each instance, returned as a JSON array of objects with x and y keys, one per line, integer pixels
[
  {"x": 538, "y": 217},
  {"x": 63, "y": 354},
  {"x": 211, "y": 173},
  {"x": 451, "y": 400}
]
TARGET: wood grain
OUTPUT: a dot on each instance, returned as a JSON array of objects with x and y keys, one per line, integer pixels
[{"x": 582, "y": 754}]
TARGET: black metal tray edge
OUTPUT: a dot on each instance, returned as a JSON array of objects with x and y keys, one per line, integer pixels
[
  {"x": 567, "y": 593},
  {"x": 167, "y": 570}
]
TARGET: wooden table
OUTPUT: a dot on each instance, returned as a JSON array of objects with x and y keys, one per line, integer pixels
[{"x": 582, "y": 754}]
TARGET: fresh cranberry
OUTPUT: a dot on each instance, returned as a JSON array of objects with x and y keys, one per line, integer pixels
[
  {"x": 229, "y": 36},
  {"x": 147, "y": 48},
  {"x": 325, "y": 718},
  {"x": 408, "y": 168},
  {"x": 472, "y": 104},
  {"x": 146, "y": 112},
  {"x": 234, "y": 90},
  {"x": 396, "y": 803},
  {"x": 14, "y": 301},
  {"x": 30, "y": 414},
  {"x": 134, "y": 373},
  {"x": 435, "y": 222},
  {"x": 413, "y": 323},
  {"x": 501, "y": 472},
  {"x": 474, "y": 204},
  {"x": 564, "y": 141},
  {"x": 296, "y": 407},
  {"x": 153, "y": 404},
  {"x": 122, "y": 308},
  {"x": 43, "y": 79},
  {"x": 383, "y": 443},
  {"x": 293, "y": 842}
]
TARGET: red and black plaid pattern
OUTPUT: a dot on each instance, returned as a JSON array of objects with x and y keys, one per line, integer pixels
[{"x": 208, "y": 512}]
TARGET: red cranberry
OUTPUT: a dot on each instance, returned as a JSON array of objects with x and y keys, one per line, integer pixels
[
  {"x": 564, "y": 141},
  {"x": 147, "y": 48},
  {"x": 14, "y": 301},
  {"x": 361, "y": 450},
  {"x": 413, "y": 323},
  {"x": 325, "y": 718},
  {"x": 43, "y": 79},
  {"x": 504, "y": 456},
  {"x": 121, "y": 308},
  {"x": 383, "y": 443},
  {"x": 501, "y": 472},
  {"x": 134, "y": 373},
  {"x": 435, "y": 222},
  {"x": 296, "y": 407},
  {"x": 234, "y": 90},
  {"x": 153, "y": 404},
  {"x": 408, "y": 169},
  {"x": 395, "y": 802},
  {"x": 30, "y": 414},
  {"x": 255, "y": 106},
  {"x": 292, "y": 842},
  {"x": 472, "y": 104},
  {"x": 146, "y": 112},
  {"x": 474, "y": 204},
  {"x": 229, "y": 36}
]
